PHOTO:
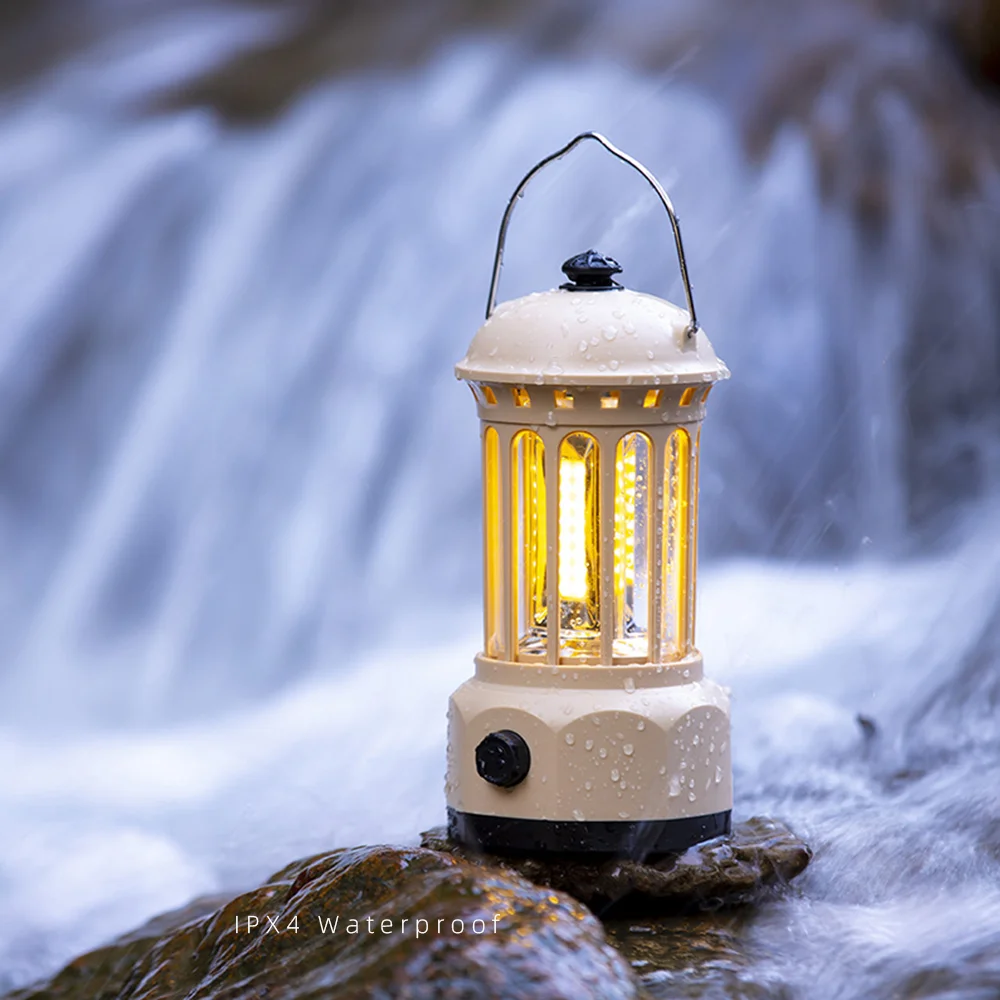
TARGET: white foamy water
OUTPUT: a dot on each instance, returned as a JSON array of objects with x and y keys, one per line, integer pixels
[{"x": 239, "y": 508}]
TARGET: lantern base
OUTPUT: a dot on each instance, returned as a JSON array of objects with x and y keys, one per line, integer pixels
[{"x": 638, "y": 840}]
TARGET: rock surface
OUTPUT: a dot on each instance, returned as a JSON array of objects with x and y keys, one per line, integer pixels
[
  {"x": 760, "y": 856},
  {"x": 546, "y": 945}
]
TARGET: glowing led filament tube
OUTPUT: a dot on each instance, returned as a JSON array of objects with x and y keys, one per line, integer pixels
[{"x": 572, "y": 529}]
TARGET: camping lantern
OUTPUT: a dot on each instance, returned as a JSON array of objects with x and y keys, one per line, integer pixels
[{"x": 589, "y": 727}]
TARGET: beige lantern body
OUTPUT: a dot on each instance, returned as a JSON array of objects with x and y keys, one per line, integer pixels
[{"x": 589, "y": 726}]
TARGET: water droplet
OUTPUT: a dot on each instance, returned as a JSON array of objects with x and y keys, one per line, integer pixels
[
  {"x": 650, "y": 355},
  {"x": 602, "y": 753},
  {"x": 613, "y": 365},
  {"x": 578, "y": 815},
  {"x": 589, "y": 745},
  {"x": 622, "y": 783},
  {"x": 675, "y": 786},
  {"x": 581, "y": 318},
  {"x": 630, "y": 685},
  {"x": 692, "y": 796},
  {"x": 597, "y": 720},
  {"x": 570, "y": 739},
  {"x": 718, "y": 774},
  {"x": 618, "y": 313},
  {"x": 583, "y": 345},
  {"x": 539, "y": 380},
  {"x": 610, "y": 332},
  {"x": 663, "y": 769},
  {"x": 628, "y": 749},
  {"x": 628, "y": 327},
  {"x": 615, "y": 774},
  {"x": 623, "y": 815},
  {"x": 550, "y": 419},
  {"x": 544, "y": 778},
  {"x": 695, "y": 739}
]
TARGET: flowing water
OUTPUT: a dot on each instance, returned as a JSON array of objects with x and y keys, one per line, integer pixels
[{"x": 239, "y": 484}]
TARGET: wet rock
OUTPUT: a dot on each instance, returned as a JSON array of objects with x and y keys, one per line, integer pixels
[
  {"x": 760, "y": 856},
  {"x": 546, "y": 945}
]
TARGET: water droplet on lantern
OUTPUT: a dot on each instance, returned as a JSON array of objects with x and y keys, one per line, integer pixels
[
  {"x": 570, "y": 739},
  {"x": 623, "y": 815},
  {"x": 550, "y": 418},
  {"x": 692, "y": 796},
  {"x": 650, "y": 355},
  {"x": 675, "y": 786},
  {"x": 583, "y": 345},
  {"x": 718, "y": 774},
  {"x": 602, "y": 753},
  {"x": 610, "y": 332},
  {"x": 629, "y": 685},
  {"x": 581, "y": 318},
  {"x": 589, "y": 745},
  {"x": 628, "y": 749},
  {"x": 577, "y": 815},
  {"x": 614, "y": 365},
  {"x": 588, "y": 785},
  {"x": 641, "y": 724},
  {"x": 615, "y": 774}
]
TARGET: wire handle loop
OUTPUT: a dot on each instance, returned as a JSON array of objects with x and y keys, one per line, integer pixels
[{"x": 632, "y": 162}]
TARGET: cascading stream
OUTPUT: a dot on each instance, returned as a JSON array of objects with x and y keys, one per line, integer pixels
[{"x": 239, "y": 485}]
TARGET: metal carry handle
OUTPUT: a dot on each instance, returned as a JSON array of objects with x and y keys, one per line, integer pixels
[{"x": 653, "y": 183}]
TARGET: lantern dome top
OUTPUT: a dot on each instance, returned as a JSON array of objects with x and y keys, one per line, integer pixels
[{"x": 600, "y": 337}]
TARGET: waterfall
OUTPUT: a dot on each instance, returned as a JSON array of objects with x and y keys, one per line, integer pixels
[{"x": 239, "y": 484}]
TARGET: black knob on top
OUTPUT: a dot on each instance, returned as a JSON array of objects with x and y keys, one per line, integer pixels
[
  {"x": 503, "y": 759},
  {"x": 591, "y": 272}
]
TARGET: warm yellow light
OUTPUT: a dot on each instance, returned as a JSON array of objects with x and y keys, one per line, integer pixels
[
  {"x": 572, "y": 528},
  {"x": 493, "y": 604},
  {"x": 625, "y": 522},
  {"x": 579, "y": 546},
  {"x": 529, "y": 543}
]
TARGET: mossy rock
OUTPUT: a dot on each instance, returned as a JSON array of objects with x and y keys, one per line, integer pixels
[
  {"x": 546, "y": 944},
  {"x": 760, "y": 857}
]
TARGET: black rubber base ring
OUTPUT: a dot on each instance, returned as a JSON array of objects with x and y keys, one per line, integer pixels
[{"x": 589, "y": 838}]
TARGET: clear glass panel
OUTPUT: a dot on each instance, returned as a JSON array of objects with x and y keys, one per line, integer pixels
[
  {"x": 529, "y": 540},
  {"x": 693, "y": 538},
  {"x": 492, "y": 583},
  {"x": 632, "y": 525},
  {"x": 677, "y": 523},
  {"x": 579, "y": 554}
]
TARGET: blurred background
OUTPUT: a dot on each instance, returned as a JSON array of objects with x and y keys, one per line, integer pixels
[{"x": 242, "y": 245}]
